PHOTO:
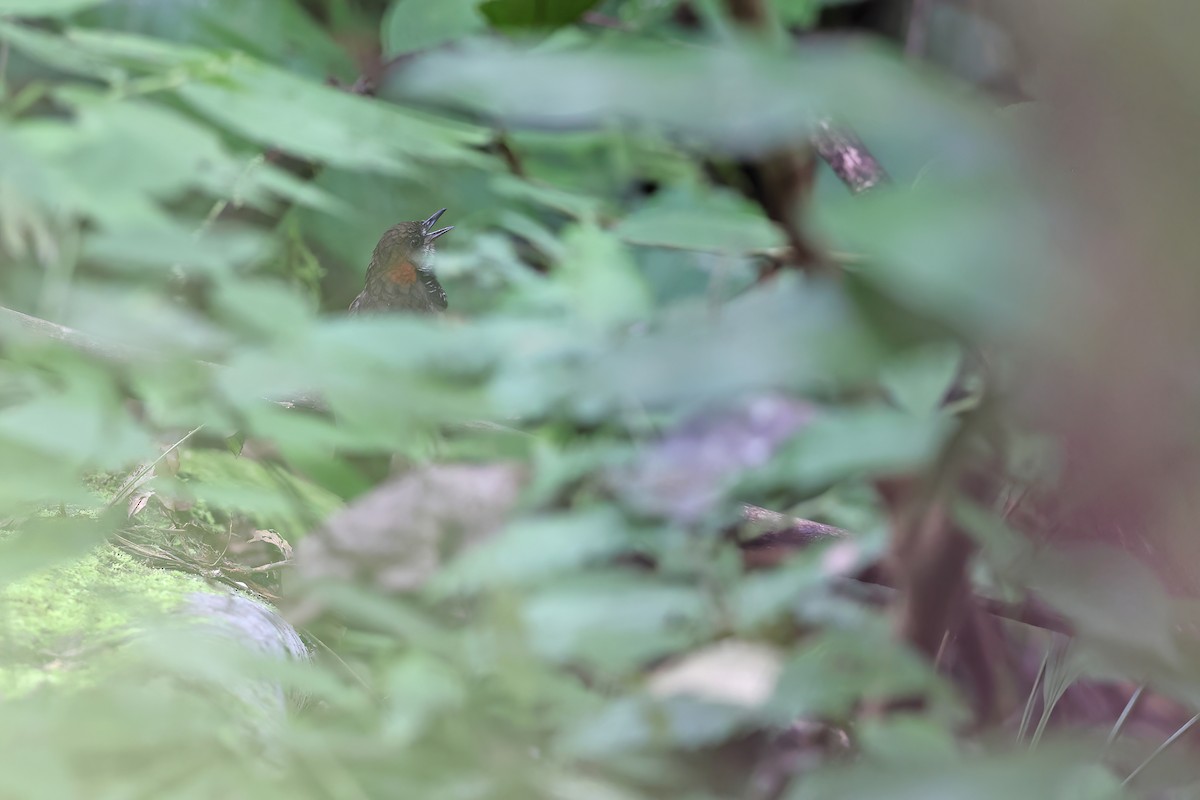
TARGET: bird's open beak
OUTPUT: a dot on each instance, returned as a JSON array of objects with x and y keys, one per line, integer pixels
[{"x": 429, "y": 223}]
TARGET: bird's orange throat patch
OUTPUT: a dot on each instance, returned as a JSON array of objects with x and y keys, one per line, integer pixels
[{"x": 402, "y": 273}]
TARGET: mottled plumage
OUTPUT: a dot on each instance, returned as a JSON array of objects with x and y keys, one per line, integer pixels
[{"x": 400, "y": 276}]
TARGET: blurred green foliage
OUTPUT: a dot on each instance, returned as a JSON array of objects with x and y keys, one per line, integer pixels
[{"x": 192, "y": 181}]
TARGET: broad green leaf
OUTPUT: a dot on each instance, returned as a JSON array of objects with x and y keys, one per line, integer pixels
[
  {"x": 53, "y": 51},
  {"x": 856, "y": 443},
  {"x": 712, "y": 222},
  {"x": 1051, "y": 771},
  {"x": 633, "y": 724},
  {"x": 29, "y": 206},
  {"x": 538, "y": 547},
  {"x": 614, "y": 621},
  {"x": 780, "y": 336},
  {"x": 295, "y": 39},
  {"x": 737, "y": 99},
  {"x": 600, "y": 278},
  {"x": 534, "y": 13},
  {"x": 918, "y": 381},
  {"x": 836, "y": 670},
  {"x": 413, "y": 25},
  {"x": 117, "y": 158},
  {"x": 162, "y": 249},
  {"x": 134, "y": 51},
  {"x": 277, "y": 109},
  {"x": 948, "y": 249},
  {"x": 44, "y": 8}
]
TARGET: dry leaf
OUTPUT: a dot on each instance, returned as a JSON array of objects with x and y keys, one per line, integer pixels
[
  {"x": 271, "y": 537},
  {"x": 138, "y": 502}
]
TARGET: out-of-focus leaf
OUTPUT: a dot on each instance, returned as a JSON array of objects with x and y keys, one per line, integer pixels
[
  {"x": 835, "y": 670},
  {"x": 421, "y": 688},
  {"x": 600, "y": 276},
  {"x": 115, "y": 159},
  {"x": 277, "y": 109},
  {"x": 76, "y": 417},
  {"x": 907, "y": 739},
  {"x": 765, "y": 99},
  {"x": 48, "y": 542},
  {"x": 534, "y": 548},
  {"x": 158, "y": 249},
  {"x": 28, "y": 203},
  {"x": 972, "y": 253},
  {"x": 636, "y": 724},
  {"x": 269, "y": 498},
  {"x": 534, "y": 13},
  {"x": 141, "y": 319},
  {"x": 52, "y": 51},
  {"x": 413, "y": 25},
  {"x": 294, "y": 39},
  {"x": 1049, "y": 771},
  {"x": 614, "y": 621},
  {"x": 856, "y": 443},
  {"x": 700, "y": 222},
  {"x": 918, "y": 381},
  {"x": 783, "y": 336},
  {"x": 44, "y": 8},
  {"x": 763, "y": 595}
]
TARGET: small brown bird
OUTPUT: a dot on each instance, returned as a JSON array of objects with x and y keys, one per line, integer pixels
[{"x": 400, "y": 276}]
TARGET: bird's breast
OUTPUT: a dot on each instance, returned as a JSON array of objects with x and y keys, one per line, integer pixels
[{"x": 401, "y": 274}]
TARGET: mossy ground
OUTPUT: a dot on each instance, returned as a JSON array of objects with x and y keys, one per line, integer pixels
[
  {"x": 57, "y": 625},
  {"x": 55, "y": 622}
]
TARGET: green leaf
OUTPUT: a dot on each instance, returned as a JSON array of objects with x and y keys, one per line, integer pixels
[
  {"x": 55, "y": 52},
  {"x": 410, "y": 26},
  {"x": 44, "y": 8},
  {"x": 736, "y": 98},
  {"x": 236, "y": 442},
  {"x": 948, "y": 249},
  {"x": 601, "y": 278},
  {"x": 634, "y": 724},
  {"x": 835, "y": 670},
  {"x": 785, "y": 335},
  {"x": 918, "y": 381},
  {"x": 798, "y": 12},
  {"x": 700, "y": 221},
  {"x": 295, "y": 40},
  {"x": 614, "y": 621},
  {"x": 277, "y": 109},
  {"x": 155, "y": 250},
  {"x": 538, "y": 547},
  {"x": 856, "y": 443},
  {"x": 1051, "y": 771},
  {"x": 535, "y": 13}
]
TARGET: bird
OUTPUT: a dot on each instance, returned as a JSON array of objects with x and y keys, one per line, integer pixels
[{"x": 400, "y": 276}]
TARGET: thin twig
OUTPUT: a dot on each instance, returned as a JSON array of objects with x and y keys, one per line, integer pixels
[
  {"x": 1162, "y": 747},
  {"x": 1121, "y": 720}
]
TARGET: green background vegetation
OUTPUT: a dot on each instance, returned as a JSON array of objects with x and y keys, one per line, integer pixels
[{"x": 193, "y": 183}]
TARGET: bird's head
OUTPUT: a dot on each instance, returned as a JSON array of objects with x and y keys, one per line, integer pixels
[{"x": 414, "y": 240}]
